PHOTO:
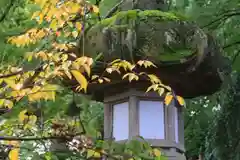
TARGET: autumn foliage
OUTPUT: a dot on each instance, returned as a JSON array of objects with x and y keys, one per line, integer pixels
[{"x": 60, "y": 24}]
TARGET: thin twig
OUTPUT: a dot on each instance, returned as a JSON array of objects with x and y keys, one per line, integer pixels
[
  {"x": 12, "y": 138},
  {"x": 114, "y": 9},
  {"x": 231, "y": 44},
  {"x": 225, "y": 17}
]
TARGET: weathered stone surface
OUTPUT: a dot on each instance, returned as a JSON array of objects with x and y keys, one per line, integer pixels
[
  {"x": 168, "y": 40},
  {"x": 160, "y": 37},
  {"x": 164, "y": 39}
]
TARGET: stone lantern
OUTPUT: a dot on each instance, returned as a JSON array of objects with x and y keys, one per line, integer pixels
[
  {"x": 170, "y": 43},
  {"x": 135, "y": 113}
]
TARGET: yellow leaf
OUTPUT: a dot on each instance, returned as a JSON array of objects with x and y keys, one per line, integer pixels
[
  {"x": 40, "y": 34},
  {"x": 181, "y": 101},
  {"x": 22, "y": 116},
  {"x": 33, "y": 119},
  {"x": 161, "y": 91},
  {"x": 156, "y": 152},
  {"x": 2, "y": 102},
  {"x": 74, "y": 7},
  {"x": 53, "y": 25},
  {"x": 40, "y": 18},
  {"x": 14, "y": 154},
  {"x": 154, "y": 79},
  {"x": 81, "y": 79},
  {"x": 70, "y": 24},
  {"x": 106, "y": 79},
  {"x": 29, "y": 56},
  {"x": 95, "y": 9},
  {"x": 115, "y": 61},
  {"x": 35, "y": 14},
  {"x": 94, "y": 77},
  {"x": 75, "y": 34},
  {"x": 35, "y": 89},
  {"x": 140, "y": 63},
  {"x": 148, "y": 64},
  {"x": 109, "y": 70},
  {"x": 154, "y": 87},
  {"x": 42, "y": 55},
  {"x": 8, "y": 104},
  {"x": 93, "y": 154},
  {"x": 49, "y": 96},
  {"x": 64, "y": 57},
  {"x": 100, "y": 81},
  {"x": 78, "y": 26},
  {"x": 131, "y": 76},
  {"x": 168, "y": 99},
  {"x": 10, "y": 83},
  {"x": 50, "y": 87}
]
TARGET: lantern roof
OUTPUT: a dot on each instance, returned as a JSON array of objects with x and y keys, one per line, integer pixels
[
  {"x": 188, "y": 59},
  {"x": 168, "y": 41}
]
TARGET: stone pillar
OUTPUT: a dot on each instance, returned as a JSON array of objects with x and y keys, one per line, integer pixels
[{"x": 133, "y": 117}]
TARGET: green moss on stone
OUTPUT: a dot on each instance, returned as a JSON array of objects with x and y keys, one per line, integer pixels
[
  {"x": 180, "y": 54},
  {"x": 124, "y": 16}
]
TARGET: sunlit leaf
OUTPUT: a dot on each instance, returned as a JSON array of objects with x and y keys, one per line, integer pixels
[
  {"x": 14, "y": 154},
  {"x": 161, "y": 91},
  {"x": 75, "y": 34},
  {"x": 78, "y": 26},
  {"x": 11, "y": 83},
  {"x": 100, "y": 80},
  {"x": 180, "y": 100},
  {"x": 2, "y": 102},
  {"x": 8, "y": 104},
  {"x": 94, "y": 77},
  {"x": 131, "y": 76},
  {"x": 22, "y": 116},
  {"x": 153, "y": 87},
  {"x": 81, "y": 79},
  {"x": 146, "y": 63},
  {"x": 46, "y": 95},
  {"x": 51, "y": 87},
  {"x": 106, "y": 79},
  {"x": 154, "y": 79},
  {"x": 115, "y": 61},
  {"x": 53, "y": 25},
  {"x": 95, "y": 9},
  {"x": 168, "y": 99},
  {"x": 156, "y": 152},
  {"x": 93, "y": 154}
]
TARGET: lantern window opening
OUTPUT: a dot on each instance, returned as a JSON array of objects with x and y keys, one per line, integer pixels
[
  {"x": 120, "y": 120},
  {"x": 151, "y": 116}
]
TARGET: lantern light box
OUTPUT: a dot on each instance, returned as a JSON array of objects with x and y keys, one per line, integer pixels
[{"x": 136, "y": 113}]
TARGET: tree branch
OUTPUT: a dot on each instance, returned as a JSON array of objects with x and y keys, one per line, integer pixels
[
  {"x": 235, "y": 57},
  {"x": 231, "y": 44},
  {"x": 224, "y": 16},
  {"x": 12, "y": 74},
  {"x": 114, "y": 9},
  {"x": 10, "y": 138}
]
